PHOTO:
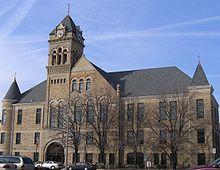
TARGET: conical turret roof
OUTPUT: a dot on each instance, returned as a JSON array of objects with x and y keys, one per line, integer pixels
[
  {"x": 68, "y": 24},
  {"x": 199, "y": 78},
  {"x": 13, "y": 92}
]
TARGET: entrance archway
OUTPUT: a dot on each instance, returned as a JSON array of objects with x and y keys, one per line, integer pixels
[{"x": 55, "y": 152}]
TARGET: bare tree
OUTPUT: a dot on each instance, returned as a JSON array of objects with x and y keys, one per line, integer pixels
[{"x": 172, "y": 123}]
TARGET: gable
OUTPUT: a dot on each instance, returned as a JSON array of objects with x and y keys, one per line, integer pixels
[{"x": 82, "y": 65}]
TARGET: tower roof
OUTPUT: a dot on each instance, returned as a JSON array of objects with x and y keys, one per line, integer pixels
[
  {"x": 13, "y": 92},
  {"x": 67, "y": 23},
  {"x": 199, "y": 78}
]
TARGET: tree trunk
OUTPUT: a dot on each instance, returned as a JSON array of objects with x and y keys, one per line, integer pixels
[{"x": 76, "y": 154}]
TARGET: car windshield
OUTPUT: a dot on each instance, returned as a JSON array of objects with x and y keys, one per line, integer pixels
[
  {"x": 11, "y": 159},
  {"x": 27, "y": 160}
]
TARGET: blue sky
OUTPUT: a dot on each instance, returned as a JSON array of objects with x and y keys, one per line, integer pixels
[{"x": 120, "y": 35}]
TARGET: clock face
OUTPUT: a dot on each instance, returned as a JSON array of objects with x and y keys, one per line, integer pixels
[{"x": 60, "y": 33}]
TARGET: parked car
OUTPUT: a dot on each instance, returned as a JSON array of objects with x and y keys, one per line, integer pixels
[
  {"x": 82, "y": 166},
  {"x": 212, "y": 166},
  {"x": 24, "y": 163},
  {"x": 6, "y": 165},
  {"x": 38, "y": 164},
  {"x": 52, "y": 165}
]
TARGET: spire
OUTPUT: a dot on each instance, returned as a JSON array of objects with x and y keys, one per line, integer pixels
[
  {"x": 13, "y": 92},
  {"x": 199, "y": 78},
  {"x": 68, "y": 23}
]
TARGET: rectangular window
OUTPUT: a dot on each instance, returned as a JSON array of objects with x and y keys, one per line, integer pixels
[
  {"x": 19, "y": 118},
  {"x": 36, "y": 156},
  {"x": 36, "y": 138},
  {"x": 111, "y": 159},
  {"x": 17, "y": 153},
  {"x": 76, "y": 158},
  {"x": 52, "y": 118},
  {"x": 3, "y": 117},
  {"x": 156, "y": 159},
  {"x": 140, "y": 111},
  {"x": 201, "y": 159},
  {"x": 201, "y": 135},
  {"x": 2, "y": 138},
  {"x": 38, "y": 116},
  {"x": 163, "y": 136},
  {"x": 90, "y": 112},
  {"x": 162, "y": 108},
  {"x": 89, "y": 157},
  {"x": 130, "y": 136},
  {"x": 89, "y": 138},
  {"x": 163, "y": 160},
  {"x": 173, "y": 110},
  {"x": 130, "y": 112},
  {"x": 200, "y": 108},
  {"x": 141, "y": 137},
  {"x": 18, "y": 138}
]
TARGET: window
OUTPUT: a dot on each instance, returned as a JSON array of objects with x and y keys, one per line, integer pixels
[
  {"x": 90, "y": 111},
  {"x": 2, "y": 138},
  {"x": 173, "y": 110},
  {"x": 17, "y": 153},
  {"x": 201, "y": 159},
  {"x": 200, "y": 108},
  {"x": 130, "y": 136},
  {"x": 201, "y": 135},
  {"x": 37, "y": 138},
  {"x": 59, "y": 59},
  {"x": 130, "y": 112},
  {"x": 103, "y": 112},
  {"x": 64, "y": 80},
  {"x": 36, "y": 156},
  {"x": 76, "y": 158},
  {"x": 55, "y": 81},
  {"x": 54, "y": 58},
  {"x": 19, "y": 118},
  {"x": 58, "y": 81},
  {"x": 52, "y": 117},
  {"x": 89, "y": 138},
  {"x": 51, "y": 81},
  {"x": 61, "y": 81},
  {"x": 1, "y": 152},
  {"x": 140, "y": 111},
  {"x": 89, "y": 157},
  {"x": 3, "y": 117},
  {"x": 78, "y": 113},
  {"x": 163, "y": 160},
  {"x": 64, "y": 56},
  {"x": 18, "y": 138},
  {"x": 174, "y": 135},
  {"x": 156, "y": 158},
  {"x": 162, "y": 111},
  {"x": 111, "y": 159},
  {"x": 74, "y": 85},
  {"x": 88, "y": 84},
  {"x": 61, "y": 113},
  {"x": 140, "y": 137},
  {"x": 38, "y": 116},
  {"x": 81, "y": 85},
  {"x": 163, "y": 136}
]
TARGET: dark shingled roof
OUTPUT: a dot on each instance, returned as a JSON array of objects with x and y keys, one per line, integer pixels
[
  {"x": 68, "y": 24},
  {"x": 35, "y": 94},
  {"x": 199, "y": 78},
  {"x": 13, "y": 92}
]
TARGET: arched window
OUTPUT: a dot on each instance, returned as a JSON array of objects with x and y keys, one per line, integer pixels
[
  {"x": 90, "y": 111},
  {"x": 88, "y": 84},
  {"x": 81, "y": 85},
  {"x": 61, "y": 114},
  {"x": 64, "y": 56},
  {"x": 54, "y": 57},
  {"x": 74, "y": 85},
  {"x": 103, "y": 111},
  {"x": 59, "y": 59},
  {"x": 59, "y": 50}
]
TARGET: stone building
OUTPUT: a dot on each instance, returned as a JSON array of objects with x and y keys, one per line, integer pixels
[{"x": 27, "y": 126}]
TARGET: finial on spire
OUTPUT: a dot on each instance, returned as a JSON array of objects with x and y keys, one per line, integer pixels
[
  {"x": 199, "y": 59},
  {"x": 14, "y": 77},
  {"x": 68, "y": 8}
]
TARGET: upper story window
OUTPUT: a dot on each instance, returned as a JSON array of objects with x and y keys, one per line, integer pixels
[
  {"x": 59, "y": 57},
  {"x": 2, "y": 138},
  {"x": 74, "y": 85},
  {"x": 19, "y": 117},
  {"x": 54, "y": 57},
  {"x": 18, "y": 138},
  {"x": 38, "y": 116},
  {"x": 90, "y": 111},
  {"x": 173, "y": 110},
  {"x": 89, "y": 137},
  {"x": 36, "y": 138},
  {"x": 140, "y": 111},
  {"x": 88, "y": 84},
  {"x": 81, "y": 85},
  {"x": 200, "y": 108},
  {"x": 78, "y": 112},
  {"x": 130, "y": 112},
  {"x": 64, "y": 56},
  {"x": 163, "y": 136},
  {"x": 162, "y": 110},
  {"x": 201, "y": 135},
  {"x": 140, "y": 137},
  {"x": 52, "y": 117},
  {"x": 103, "y": 112},
  {"x": 3, "y": 117}
]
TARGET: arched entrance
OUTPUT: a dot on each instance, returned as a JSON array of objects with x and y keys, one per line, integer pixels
[{"x": 55, "y": 152}]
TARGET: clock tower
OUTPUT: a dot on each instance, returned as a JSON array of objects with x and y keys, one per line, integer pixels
[{"x": 66, "y": 45}]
